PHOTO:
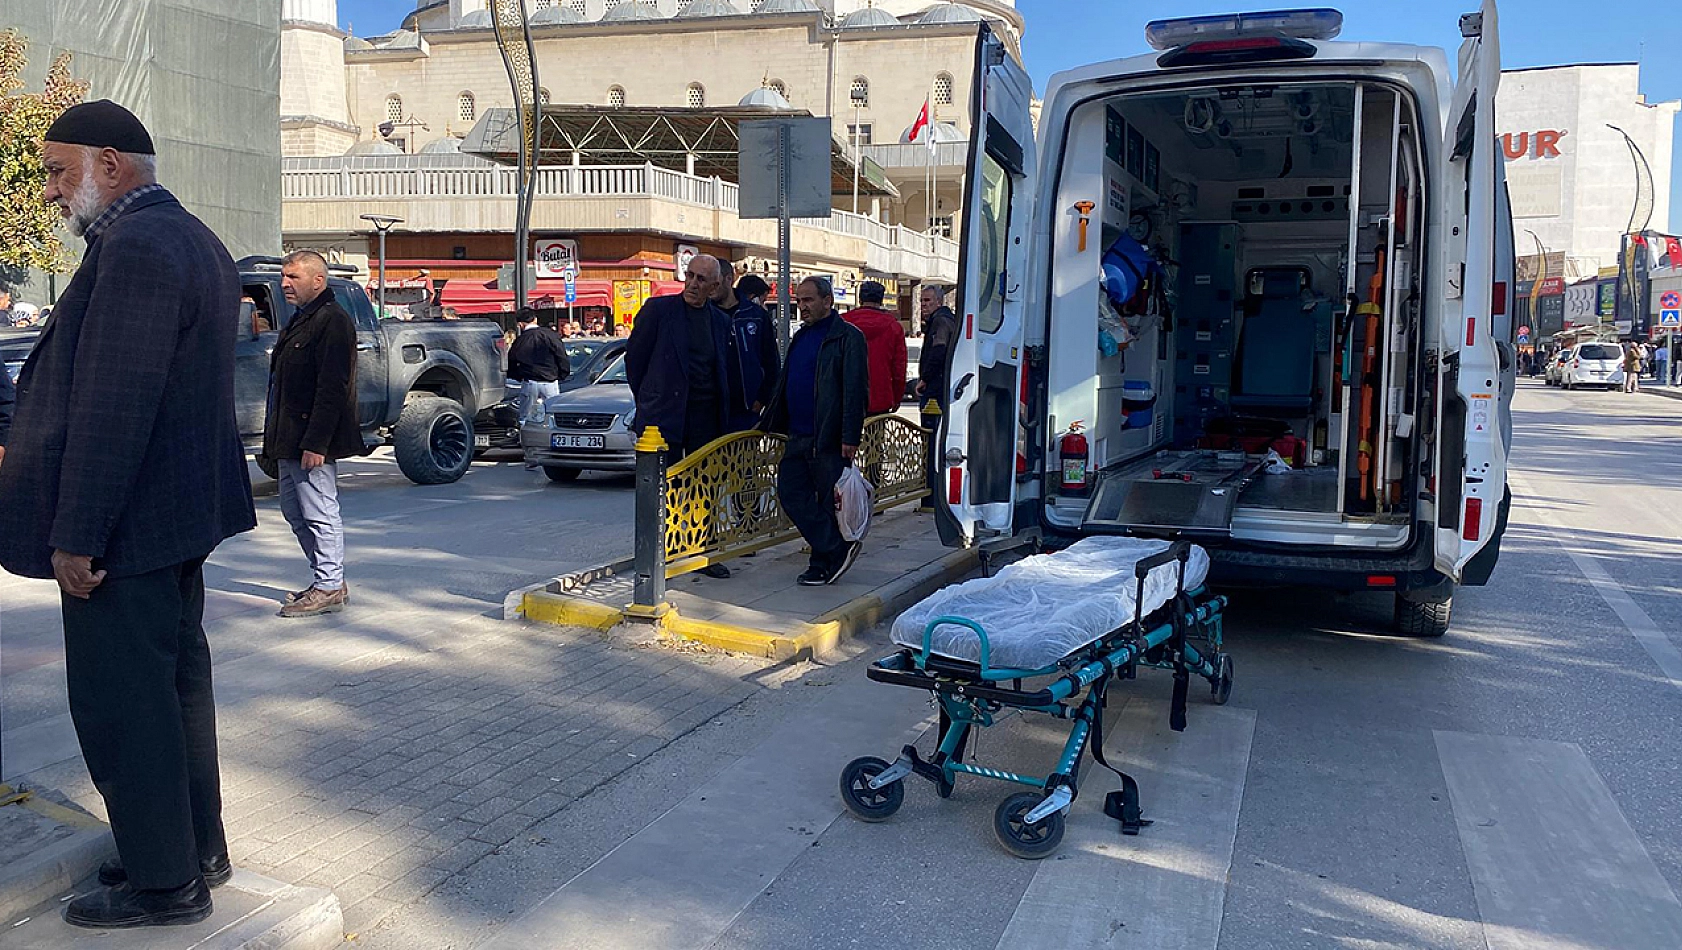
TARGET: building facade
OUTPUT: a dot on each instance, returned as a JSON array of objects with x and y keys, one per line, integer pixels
[
  {"x": 210, "y": 107},
  {"x": 401, "y": 104},
  {"x": 1573, "y": 177}
]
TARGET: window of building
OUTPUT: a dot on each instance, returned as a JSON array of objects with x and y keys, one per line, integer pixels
[
  {"x": 861, "y": 131},
  {"x": 757, "y": 4},
  {"x": 697, "y": 97},
  {"x": 543, "y": 97},
  {"x": 394, "y": 108},
  {"x": 941, "y": 226},
  {"x": 616, "y": 97},
  {"x": 683, "y": 5},
  {"x": 545, "y": 4},
  {"x": 579, "y": 8},
  {"x": 776, "y": 86},
  {"x": 466, "y": 109},
  {"x": 943, "y": 89},
  {"x": 860, "y": 93}
]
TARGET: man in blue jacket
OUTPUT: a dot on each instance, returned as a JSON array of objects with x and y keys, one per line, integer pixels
[
  {"x": 819, "y": 404},
  {"x": 754, "y": 359},
  {"x": 123, "y": 472}
]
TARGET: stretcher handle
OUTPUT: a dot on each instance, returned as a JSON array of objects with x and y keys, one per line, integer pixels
[
  {"x": 928, "y": 637},
  {"x": 1177, "y": 551}
]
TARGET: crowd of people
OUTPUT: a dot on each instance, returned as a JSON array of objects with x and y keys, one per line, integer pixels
[{"x": 705, "y": 363}]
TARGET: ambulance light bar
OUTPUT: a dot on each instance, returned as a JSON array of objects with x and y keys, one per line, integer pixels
[{"x": 1321, "y": 23}]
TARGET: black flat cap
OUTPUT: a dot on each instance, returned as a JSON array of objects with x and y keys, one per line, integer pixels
[{"x": 101, "y": 124}]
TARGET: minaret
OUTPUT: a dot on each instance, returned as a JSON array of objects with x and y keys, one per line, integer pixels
[{"x": 314, "y": 114}]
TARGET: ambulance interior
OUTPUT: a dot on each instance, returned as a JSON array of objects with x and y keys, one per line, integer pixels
[{"x": 1289, "y": 218}]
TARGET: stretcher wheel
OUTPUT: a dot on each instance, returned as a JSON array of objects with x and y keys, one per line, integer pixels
[
  {"x": 870, "y": 804},
  {"x": 1033, "y": 841},
  {"x": 1222, "y": 686}
]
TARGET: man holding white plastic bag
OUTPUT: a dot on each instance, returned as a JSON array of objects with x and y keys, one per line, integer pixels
[{"x": 819, "y": 404}]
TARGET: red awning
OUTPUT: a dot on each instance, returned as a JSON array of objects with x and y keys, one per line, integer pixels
[{"x": 473, "y": 296}]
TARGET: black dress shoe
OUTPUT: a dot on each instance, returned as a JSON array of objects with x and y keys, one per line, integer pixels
[
  {"x": 122, "y": 906},
  {"x": 216, "y": 871}
]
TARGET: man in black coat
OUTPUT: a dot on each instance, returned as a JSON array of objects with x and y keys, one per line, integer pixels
[
  {"x": 940, "y": 331},
  {"x": 123, "y": 471},
  {"x": 819, "y": 404},
  {"x": 538, "y": 361},
  {"x": 677, "y": 362},
  {"x": 311, "y": 424}
]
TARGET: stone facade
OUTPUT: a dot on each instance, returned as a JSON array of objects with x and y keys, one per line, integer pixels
[{"x": 1572, "y": 179}]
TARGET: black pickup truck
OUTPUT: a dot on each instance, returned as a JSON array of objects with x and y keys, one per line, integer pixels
[{"x": 432, "y": 388}]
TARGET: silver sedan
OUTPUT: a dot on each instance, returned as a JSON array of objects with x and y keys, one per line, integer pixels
[{"x": 587, "y": 429}]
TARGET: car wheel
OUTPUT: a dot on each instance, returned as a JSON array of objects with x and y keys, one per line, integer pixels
[
  {"x": 558, "y": 474},
  {"x": 1428, "y": 619},
  {"x": 433, "y": 440}
]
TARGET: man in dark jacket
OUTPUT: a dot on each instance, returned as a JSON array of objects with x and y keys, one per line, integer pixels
[
  {"x": 940, "y": 331},
  {"x": 123, "y": 471},
  {"x": 677, "y": 362},
  {"x": 819, "y": 405},
  {"x": 885, "y": 340},
  {"x": 311, "y": 424},
  {"x": 754, "y": 359},
  {"x": 8, "y": 399},
  {"x": 537, "y": 360}
]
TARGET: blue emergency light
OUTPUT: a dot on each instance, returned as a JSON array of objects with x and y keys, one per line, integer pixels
[{"x": 1321, "y": 23}]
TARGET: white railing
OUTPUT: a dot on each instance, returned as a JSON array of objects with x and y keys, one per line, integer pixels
[{"x": 394, "y": 178}]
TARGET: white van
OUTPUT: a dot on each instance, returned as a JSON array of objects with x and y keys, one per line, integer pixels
[
  {"x": 1593, "y": 364},
  {"x": 1339, "y": 257}
]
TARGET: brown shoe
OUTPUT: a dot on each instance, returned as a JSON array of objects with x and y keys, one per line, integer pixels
[
  {"x": 315, "y": 602},
  {"x": 297, "y": 595}
]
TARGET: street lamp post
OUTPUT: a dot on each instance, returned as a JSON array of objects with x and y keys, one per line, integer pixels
[
  {"x": 382, "y": 223},
  {"x": 1626, "y": 271}
]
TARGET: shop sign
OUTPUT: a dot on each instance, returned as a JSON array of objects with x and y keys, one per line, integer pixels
[
  {"x": 1544, "y": 144},
  {"x": 685, "y": 254},
  {"x": 556, "y": 257}
]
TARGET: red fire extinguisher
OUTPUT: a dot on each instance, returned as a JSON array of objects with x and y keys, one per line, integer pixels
[{"x": 1072, "y": 449}]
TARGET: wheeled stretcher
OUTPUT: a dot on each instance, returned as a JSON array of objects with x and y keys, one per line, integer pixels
[{"x": 1072, "y": 621}]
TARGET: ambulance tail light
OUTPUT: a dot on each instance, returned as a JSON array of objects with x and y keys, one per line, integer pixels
[
  {"x": 955, "y": 485},
  {"x": 1474, "y": 519}
]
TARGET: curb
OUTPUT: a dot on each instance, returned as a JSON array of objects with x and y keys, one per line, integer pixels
[
  {"x": 55, "y": 869},
  {"x": 802, "y": 641},
  {"x": 1667, "y": 393}
]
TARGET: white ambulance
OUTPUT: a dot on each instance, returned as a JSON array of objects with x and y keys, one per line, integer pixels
[{"x": 1317, "y": 386}]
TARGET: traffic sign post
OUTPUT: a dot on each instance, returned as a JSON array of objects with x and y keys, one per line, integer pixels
[{"x": 1670, "y": 310}]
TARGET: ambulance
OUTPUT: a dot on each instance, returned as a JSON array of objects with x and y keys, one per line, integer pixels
[{"x": 1251, "y": 289}]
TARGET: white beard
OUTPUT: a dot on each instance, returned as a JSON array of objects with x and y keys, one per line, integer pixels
[{"x": 85, "y": 203}]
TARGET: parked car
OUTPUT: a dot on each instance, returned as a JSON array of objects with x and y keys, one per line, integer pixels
[
  {"x": 1553, "y": 372},
  {"x": 15, "y": 345},
  {"x": 433, "y": 389},
  {"x": 1594, "y": 364},
  {"x": 913, "y": 351},
  {"x": 587, "y": 429}
]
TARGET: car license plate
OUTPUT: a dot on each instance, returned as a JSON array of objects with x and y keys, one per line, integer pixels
[
  {"x": 481, "y": 441},
  {"x": 577, "y": 442}
]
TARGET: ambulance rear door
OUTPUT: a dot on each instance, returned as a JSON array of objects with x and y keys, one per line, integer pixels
[
  {"x": 1477, "y": 332},
  {"x": 981, "y": 443}
]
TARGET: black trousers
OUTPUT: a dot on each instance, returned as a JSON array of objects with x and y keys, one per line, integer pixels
[
  {"x": 700, "y": 424},
  {"x": 806, "y": 481},
  {"x": 138, "y": 670}
]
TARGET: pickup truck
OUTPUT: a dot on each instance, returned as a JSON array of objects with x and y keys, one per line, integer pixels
[{"x": 432, "y": 388}]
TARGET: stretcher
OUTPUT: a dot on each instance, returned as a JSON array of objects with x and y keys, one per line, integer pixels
[{"x": 1049, "y": 634}]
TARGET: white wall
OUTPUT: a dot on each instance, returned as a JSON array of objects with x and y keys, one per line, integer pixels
[{"x": 1579, "y": 200}]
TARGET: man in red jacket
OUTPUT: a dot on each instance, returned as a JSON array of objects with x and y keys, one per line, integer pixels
[{"x": 884, "y": 339}]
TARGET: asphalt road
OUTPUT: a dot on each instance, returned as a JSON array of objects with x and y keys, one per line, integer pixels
[{"x": 1510, "y": 786}]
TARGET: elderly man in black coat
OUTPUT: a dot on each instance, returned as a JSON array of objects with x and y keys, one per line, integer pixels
[
  {"x": 123, "y": 471},
  {"x": 677, "y": 362}
]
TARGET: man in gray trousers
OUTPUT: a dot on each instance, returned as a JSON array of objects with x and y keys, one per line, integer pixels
[{"x": 312, "y": 424}]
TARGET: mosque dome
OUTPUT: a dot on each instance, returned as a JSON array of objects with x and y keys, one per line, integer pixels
[
  {"x": 867, "y": 18},
  {"x": 632, "y": 10},
  {"x": 949, "y": 13},
  {"x": 706, "y": 8}
]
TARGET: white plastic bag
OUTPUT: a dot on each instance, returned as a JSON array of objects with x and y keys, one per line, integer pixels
[{"x": 855, "y": 498}]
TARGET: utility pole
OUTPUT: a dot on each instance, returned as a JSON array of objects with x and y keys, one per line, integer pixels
[
  {"x": 382, "y": 223},
  {"x": 519, "y": 57}
]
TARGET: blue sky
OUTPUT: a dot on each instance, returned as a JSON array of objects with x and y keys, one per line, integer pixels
[{"x": 1066, "y": 33}]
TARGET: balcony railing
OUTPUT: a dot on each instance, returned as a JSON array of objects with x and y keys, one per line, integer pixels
[{"x": 412, "y": 177}]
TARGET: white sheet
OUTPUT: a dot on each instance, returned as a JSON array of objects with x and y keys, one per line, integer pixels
[{"x": 1043, "y": 608}]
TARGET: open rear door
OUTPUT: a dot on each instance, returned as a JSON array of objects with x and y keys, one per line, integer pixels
[
  {"x": 1477, "y": 324},
  {"x": 981, "y": 441}
]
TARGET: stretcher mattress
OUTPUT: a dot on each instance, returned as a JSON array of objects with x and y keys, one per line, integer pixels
[{"x": 1043, "y": 608}]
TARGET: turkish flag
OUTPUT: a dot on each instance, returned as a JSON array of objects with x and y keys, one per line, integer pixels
[
  {"x": 922, "y": 121},
  {"x": 1673, "y": 250}
]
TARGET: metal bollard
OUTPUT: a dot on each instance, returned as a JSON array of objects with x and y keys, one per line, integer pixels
[
  {"x": 931, "y": 422},
  {"x": 649, "y": 602}
]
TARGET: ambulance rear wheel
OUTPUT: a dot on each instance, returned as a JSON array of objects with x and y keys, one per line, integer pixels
[
  {"x": 1428, "y": 619},
  {"x": 1030, "y": 841},
  {"x": 870, "y": 804}
]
